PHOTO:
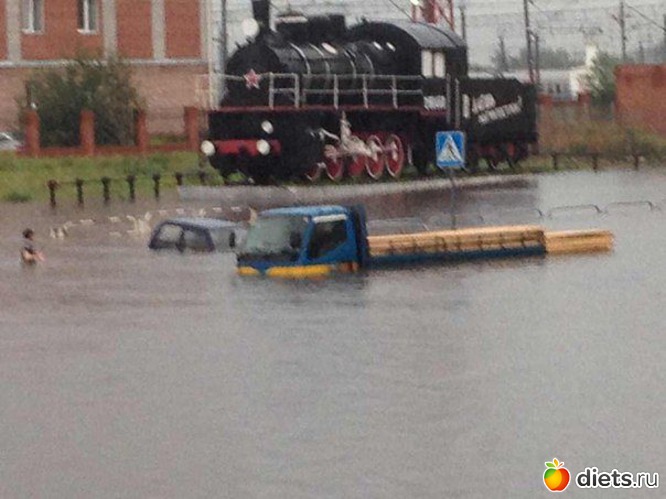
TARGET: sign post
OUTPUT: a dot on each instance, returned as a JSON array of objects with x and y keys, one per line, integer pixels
[{"x": 450, "y": 155}]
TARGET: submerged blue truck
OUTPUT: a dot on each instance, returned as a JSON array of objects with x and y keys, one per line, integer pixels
[{"x": 312, "y": 241}]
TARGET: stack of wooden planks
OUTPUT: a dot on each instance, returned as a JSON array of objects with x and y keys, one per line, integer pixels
[
  {"x": 579, "y": 241},
  {"x": 456, "y": 241},
  {"x": 492, "y": 239}
]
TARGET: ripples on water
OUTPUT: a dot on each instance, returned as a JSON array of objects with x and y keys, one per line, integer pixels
[{"x": 130, "y": 374}]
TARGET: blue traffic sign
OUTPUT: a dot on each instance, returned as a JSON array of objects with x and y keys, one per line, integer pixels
[{"x": 450, "y": 149}]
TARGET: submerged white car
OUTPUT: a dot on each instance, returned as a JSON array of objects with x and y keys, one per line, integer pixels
[
  {"x": 196, "y": 235},
  {"x": 9, "y": 142}
]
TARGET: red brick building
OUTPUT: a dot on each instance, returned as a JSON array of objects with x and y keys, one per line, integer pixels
[
  {"x": 640, "y": 91},
  {"x": 165, "y": 41}
]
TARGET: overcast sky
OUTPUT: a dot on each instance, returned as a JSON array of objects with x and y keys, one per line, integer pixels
[{"x": 568, "y": 24}]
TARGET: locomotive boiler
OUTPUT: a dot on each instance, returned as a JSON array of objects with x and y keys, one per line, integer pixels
[{"x": 313, "y": 96}]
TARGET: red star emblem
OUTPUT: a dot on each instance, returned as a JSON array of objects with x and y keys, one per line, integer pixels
[{"x": 252, "y": 79}]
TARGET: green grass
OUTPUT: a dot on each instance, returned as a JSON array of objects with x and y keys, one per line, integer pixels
[
  {"x": 17, "y": 197},
  {"x": 23, "y": 179}
]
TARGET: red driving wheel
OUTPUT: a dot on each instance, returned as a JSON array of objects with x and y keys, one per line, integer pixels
[
  {"x": 395, "y": 155},
  {"x": 313, "y": 174},
  {"x": 357, "y": 165},
  {"x": 375, "y": 163},
  {"x": 335, "y": 168}
]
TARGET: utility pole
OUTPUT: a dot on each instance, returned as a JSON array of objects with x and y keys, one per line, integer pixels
[
  {"x": 528, "y": 36},
  {"x": 623, "y": 31},
  {"x": 224, "y": 49},
  {"x": 463, "y": 22},
  {"x": 664, "y": 47},
  {"x": 622, "y": 21},
  {"x": 537, "y": 60},
  {"x": 503, "y": 62}
]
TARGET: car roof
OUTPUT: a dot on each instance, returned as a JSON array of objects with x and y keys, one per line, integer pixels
[
  {"x": 201, "y": 223},
  {"x": 306, "y": 211}
]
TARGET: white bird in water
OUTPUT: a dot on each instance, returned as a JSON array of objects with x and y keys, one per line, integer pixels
[{"x": 58, "y": 232}]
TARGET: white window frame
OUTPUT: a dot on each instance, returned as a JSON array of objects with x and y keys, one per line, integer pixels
[
  {"x": 439, "y": 65},
  {"x": 31, "y": 23},
  {"x": 426, "y": 63},
  {"x": 88, "y": 14}
]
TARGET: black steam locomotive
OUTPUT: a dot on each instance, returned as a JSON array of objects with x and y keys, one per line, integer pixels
[{"x": 315, "y": 97}]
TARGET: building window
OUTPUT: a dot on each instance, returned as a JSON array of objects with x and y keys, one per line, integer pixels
[
  {"x": 33, "y": 15},
  {"x": 87, "y": 15}
]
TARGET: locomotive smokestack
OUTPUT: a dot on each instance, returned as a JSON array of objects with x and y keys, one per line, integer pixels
[{"x": 261, "y": 10}]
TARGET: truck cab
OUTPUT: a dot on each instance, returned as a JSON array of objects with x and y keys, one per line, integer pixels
[{"x": 305, "y": 241}]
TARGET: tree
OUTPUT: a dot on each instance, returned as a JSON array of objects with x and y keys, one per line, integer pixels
[
  {"x": 102, "y": 86},
  {"x": 601, "y": 78}
]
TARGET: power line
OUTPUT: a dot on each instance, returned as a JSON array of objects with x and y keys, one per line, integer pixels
[{"x": 650, "y": 21}]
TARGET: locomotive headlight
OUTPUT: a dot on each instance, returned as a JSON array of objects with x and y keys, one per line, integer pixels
[
  {"x": 207, "y": 148},
  {"x": 263, "y": 147},
  {"x": 267, "y": 126}
]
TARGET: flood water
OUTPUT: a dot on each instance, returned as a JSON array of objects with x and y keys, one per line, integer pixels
[{"x": 130, "y": 374}]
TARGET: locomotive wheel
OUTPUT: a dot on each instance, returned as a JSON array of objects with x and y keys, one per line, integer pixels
[
  {"x": 375, "y": 167},
  {"x": 357, "y": 165},
  {"x": 314, "y": 173},
  {"x": 335, "y": 168},
  {"x": 395, "y": 155}
]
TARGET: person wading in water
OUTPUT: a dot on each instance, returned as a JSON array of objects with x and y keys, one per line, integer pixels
[{"x": 29, "y": 254}]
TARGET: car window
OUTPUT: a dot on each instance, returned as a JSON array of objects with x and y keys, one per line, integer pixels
[
  {"x": 221, "y": 237},
  {"x": 327, "y": 236},
  {"x": 167, "y": 237},
  {"x": 196, "y": 240}
]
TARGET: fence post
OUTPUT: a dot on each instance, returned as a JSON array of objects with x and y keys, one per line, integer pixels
[
  {"x": 87, "y": 132},
  {"x": 32, "y": 133},
  {"x": 637, "y": 161},
  {"x": 52, "y": 185},
  {"x": 179, "y": 178},
  {"x": 141, "y": 130},
  {"x": 156, "y": 185},
  {"x": 555, "y": 160},
  {"x": 130, "y": 183},
  {"x": 192, "y": 128},
  {"x": 106, "y": 182},
  {"x": 595, "y": 161},
  {"x": 79, "y": 191}
]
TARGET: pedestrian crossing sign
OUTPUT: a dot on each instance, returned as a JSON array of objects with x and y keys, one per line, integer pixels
[{"x": 450, "y": 149}]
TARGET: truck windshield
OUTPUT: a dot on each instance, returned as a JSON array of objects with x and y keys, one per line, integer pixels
[{"x": 273, "y": 237}]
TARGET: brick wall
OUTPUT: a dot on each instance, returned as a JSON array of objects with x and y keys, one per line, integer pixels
[
  {"x": 166, "y": 90},
  {"x": 640, "y": 96},
  {"x": 11, "y": 87},
  {"x": 60, "y": 38},
  {"x": 183, "y": 36},
  {"x": 3, "y": 31},
  {"x": 134, "y": 28}
]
